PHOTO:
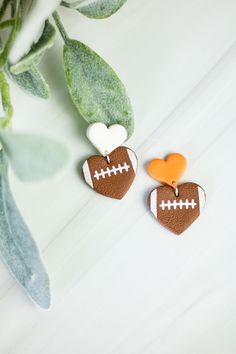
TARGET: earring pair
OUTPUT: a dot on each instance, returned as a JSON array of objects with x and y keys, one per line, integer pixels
[{"x": 112, "y": 173}]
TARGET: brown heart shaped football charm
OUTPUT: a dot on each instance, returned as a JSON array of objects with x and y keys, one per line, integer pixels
[
  {"x": 114, "y": 178},
  {"x": 177, "y": 213}
]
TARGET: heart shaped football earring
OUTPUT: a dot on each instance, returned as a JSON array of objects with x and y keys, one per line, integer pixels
[
  {"x": 175, "y": 206},
  {"x": 112, "y": 173}
]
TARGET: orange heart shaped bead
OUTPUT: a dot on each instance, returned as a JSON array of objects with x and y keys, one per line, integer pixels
[{"x": 167, "y": 171}]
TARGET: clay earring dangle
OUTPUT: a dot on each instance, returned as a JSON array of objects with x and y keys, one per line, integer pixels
[
  {"x": 175, "y": 206},
  {"x": 111, "y": 173}
]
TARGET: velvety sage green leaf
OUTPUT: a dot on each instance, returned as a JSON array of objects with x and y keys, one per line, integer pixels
[
  {"x": 96, "y": 90},
  {"x": 36, "y": 52},
  {"x": 33, "y": 82},
  {"x": 17, "y": 248},
  {"x": 95, "y": 8},
  {"x": 33, "y": 157}
]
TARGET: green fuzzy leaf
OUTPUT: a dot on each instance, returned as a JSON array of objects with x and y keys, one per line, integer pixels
[
  {"x": 36, "y": 52},
  {"x": 96, "y": 90},
  {"x": 17, "y": 248},
  {"x": 33, "y": 157},
  {"x": 98, "y": 9},
  {"x": 33, "y": 82}
]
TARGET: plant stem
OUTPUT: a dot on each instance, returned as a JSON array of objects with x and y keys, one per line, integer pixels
[
  {"x": 13, "y": 9},
  {"x": 3, "y": 8},
  {"x": 6, "y": 23},
  {"x": 60, "y": 26},
  {"x": 6, "y": 101},
  {"x": 7, "y": 48},
  {"x": 11, "y": 37}
]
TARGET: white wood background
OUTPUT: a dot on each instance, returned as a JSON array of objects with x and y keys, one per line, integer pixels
[{"x": 121, "y": 284}]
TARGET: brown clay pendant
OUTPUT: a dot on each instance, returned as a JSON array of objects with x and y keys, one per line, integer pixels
[
  {"x": 111, "y": 173},
  {"x": 175, "y": 206}
]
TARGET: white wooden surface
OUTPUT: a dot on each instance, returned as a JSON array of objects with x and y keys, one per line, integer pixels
[{"x": 121, "y": 284}]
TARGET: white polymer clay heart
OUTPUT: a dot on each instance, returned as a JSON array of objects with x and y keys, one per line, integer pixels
[{"x": 106, "y": 139}]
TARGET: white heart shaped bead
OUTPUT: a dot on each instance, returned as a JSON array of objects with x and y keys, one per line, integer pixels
[{"x": 106, "y": 139}]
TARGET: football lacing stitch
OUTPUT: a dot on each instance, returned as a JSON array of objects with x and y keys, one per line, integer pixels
[
  {"x": 187, "y": 204},
  {"x": 108, "y": 172}
]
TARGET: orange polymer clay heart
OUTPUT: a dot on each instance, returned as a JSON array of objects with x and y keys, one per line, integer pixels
[{"x": 167, "y": 171}]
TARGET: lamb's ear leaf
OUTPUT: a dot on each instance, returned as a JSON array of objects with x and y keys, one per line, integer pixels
[
  {"x": 97, "y": 9},
  {"x": 17, "y": 248},
  {"x": 33, "y": 157},
  {"x": 36, "y": 52},
  {"x": 96, "y": 90},
  {"x": 33, "y": 82}
]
